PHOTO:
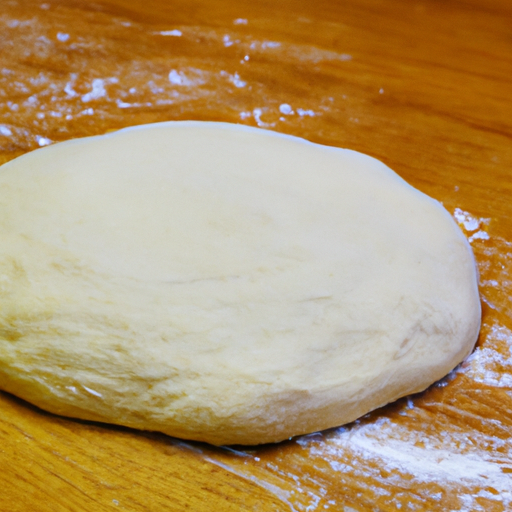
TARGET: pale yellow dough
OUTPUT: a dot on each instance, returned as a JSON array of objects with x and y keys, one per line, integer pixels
[{"x": 223, "y": 283}]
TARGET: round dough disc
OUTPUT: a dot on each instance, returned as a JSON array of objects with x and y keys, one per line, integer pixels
[{"x": 223, "y": 283}]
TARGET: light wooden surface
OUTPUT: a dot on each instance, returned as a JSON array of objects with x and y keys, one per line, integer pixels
[{"x": 424, "y": 85}]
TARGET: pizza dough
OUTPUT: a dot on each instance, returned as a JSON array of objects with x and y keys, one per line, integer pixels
[{"x": 223, "y": 283}]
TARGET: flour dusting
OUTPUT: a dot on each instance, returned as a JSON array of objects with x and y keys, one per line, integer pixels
[{"x": 492, "y": 365}]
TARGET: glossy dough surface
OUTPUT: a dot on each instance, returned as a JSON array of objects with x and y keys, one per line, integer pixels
[{"x": 223, "y": 283}]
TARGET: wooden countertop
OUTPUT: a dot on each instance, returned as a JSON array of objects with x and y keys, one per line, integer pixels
[{"x": 425, "y": 86}]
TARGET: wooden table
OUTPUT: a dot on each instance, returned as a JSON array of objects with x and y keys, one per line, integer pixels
[{"x": 425, "y": 86}]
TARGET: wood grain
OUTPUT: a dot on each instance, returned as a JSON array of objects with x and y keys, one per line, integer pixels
[{"x": 425, "y": 86}]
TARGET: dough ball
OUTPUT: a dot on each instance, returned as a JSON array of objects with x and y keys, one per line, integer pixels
[{"x": 223, "y": 283}]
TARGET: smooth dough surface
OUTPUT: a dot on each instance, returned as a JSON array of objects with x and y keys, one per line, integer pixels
[{"x": 223, "y": 283}]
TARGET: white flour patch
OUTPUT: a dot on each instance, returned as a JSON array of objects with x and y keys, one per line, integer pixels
[
  {"x": 472, "y": 225},
  {"x": 492, "y": 365},
  {"x": 472, "y": 467}
]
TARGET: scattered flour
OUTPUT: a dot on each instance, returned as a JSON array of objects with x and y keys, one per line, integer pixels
[
  {"x": 472, "y": 225},
  {"x": 492, "y": 365}
]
